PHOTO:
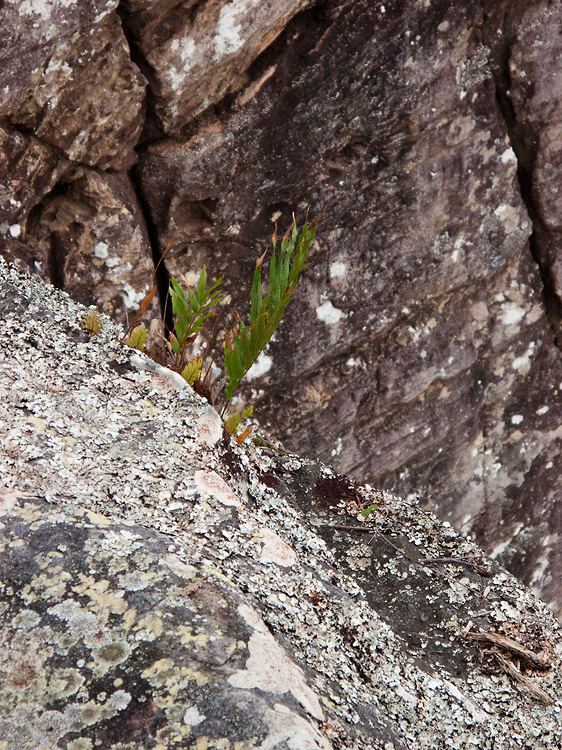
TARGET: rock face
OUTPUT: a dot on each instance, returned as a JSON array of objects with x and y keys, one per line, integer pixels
[
  {"x": 420, "y": 353},
  {"x": 163, "y": 586},
  {"x": 72, "y": 109}
]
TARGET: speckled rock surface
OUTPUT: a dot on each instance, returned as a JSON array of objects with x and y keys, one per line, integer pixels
[
  {"x": 420, "y": 352},
  {"x": 163, "y": 587}
]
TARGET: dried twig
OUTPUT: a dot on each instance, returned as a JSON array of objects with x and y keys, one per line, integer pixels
[
  {"x": 508, "y": 644},
  {"x": 510, "y": 668}
]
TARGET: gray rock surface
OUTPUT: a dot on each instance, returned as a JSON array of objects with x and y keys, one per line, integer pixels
[
  {"x": 162, "y": 586},
  {"x": 420, "y": 353}
]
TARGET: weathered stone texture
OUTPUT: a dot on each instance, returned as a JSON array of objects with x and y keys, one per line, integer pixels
[
  {"x": 66, "y": 76},
  {"x": 409, "y": 355},
  {"x": 196, "y": 53},
  {"x": 418, "y": 353},
  {"x": 71, "y": 94},
  {"x": 535, "y": 97},
  {"x": 97, "y": 239},
  {"x": 161, "y": 586}
]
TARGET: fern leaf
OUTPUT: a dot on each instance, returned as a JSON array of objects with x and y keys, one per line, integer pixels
[
  {"x": 137, "y": 337},
  {"x": 256, "y": 294},
  {"x": 192, "y": 371},
  {"x": 232, "y": 422},
  {"x": 202, "y": 285},
  {"x": 266, "y": 312},
  {"x": 93, "y": 323},
  {"x": 192, "y": 312}
]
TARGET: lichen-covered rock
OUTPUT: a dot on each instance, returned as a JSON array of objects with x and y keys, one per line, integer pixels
[{"x": 162, "y": 586}]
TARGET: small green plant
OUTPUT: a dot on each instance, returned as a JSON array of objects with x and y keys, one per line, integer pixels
[
  {"x": 93, "y": 323},
  {"x": 245, "y": 342},
  {"x": 137, "y": 337},
  {"x": 266, "y": 313},
  {"x": 192, "y": 371},
  {"x": 192, "y": 311},
  {"x": 232, "y": 422}
]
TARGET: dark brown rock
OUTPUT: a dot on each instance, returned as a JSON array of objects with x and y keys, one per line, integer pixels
[
  {"x": 30, "y": 169},
  {"x": 409, "y": 357},
  {"x": 94, "y": 230},
  {"x": 196, "y": 53},
  {"x": 531, "y": 92},
  {"x": 71, "y": 94},
  {"x": 66, "y": 76}
]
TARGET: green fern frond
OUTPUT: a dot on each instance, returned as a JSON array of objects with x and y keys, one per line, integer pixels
[
  {"x": 232, "y": 422},
  {"x": 137, "y": 337},
  {"x": 192, "y": 312},
  {"x": 192, "y": 371},
  {"x": 266, "y": 312}
]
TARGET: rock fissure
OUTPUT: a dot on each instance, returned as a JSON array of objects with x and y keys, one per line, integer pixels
[{"x": 525, "y": 148}]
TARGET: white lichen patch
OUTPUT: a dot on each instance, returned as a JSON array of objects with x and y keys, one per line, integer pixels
[
  {"x": 185, "y": 57},
  {"x": 329, "y": 314},
  {"x": 40, "y": 8},
  {"x": 511, "y": 313},
  {"x": 261, "y": 367},
  {"x": 509, "y": 215},
  {"x": 338, "y": 270},
  {"x": 192, "y": 717},
  {"x": 82, "y": 624},
  {"x": 522, "y": 363},
  {"x": 229, "y": 37},
  {"x": 268, "y": 668}
]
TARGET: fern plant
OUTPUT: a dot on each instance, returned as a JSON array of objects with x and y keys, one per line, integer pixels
[
  {"x": 137, "y": 337},
  {"x": 247, "y": 342},
  {"x": 193, "y": 311}
]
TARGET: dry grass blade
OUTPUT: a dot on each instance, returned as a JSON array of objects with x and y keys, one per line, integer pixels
[
  {"x": 150, "y": 295},
  {"x": 502, "y": 641}
]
